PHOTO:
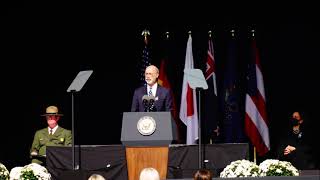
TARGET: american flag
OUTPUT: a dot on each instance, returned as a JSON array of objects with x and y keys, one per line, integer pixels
[
  {"x": 146, "y": 58},
  {"x": 256, "y": 122}
]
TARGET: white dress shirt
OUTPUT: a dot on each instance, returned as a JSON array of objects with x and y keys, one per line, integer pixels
[{"x": 153, "y": 89}]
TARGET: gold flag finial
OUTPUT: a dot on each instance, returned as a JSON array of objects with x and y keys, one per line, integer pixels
[
  {"x": 253, "y": 31},
  {"x": 232, "y": 32},
  {"x": 145, "y": 33},
  {"x": 167, "y": 34}
]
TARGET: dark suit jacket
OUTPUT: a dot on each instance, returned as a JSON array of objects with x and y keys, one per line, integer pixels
[
  {"x": 163, "y": 100},
  {"x": 304, "y": 156}
]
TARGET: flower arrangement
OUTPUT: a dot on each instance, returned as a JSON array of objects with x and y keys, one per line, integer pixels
[
  {"x": 269, "y": 167},
  {"x": 240, "y": 168},
  {"x": 31, "y": 171},
  {"x": 4, "y": 173},
  {"x": 15, "y": 173},
  {"x": 273, "y": 167}
]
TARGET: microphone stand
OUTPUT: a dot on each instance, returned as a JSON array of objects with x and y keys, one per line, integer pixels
[
  {"x": 197, "y": 82},
  {"x": 76, "y": 86},
  {"x": 199, "y": 130},
  {"x": 73, "y": 132}
]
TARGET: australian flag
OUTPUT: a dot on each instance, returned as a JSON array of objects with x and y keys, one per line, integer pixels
[{"x": 210, "y": 121}]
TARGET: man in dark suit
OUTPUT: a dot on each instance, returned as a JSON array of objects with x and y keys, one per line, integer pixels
[
  {"x": 160, "y": 95},
  {"x": 53, "y": 135}
]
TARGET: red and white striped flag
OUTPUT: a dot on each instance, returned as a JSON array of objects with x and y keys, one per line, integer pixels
[
  {"x": 256, "y": 122},
  {"x": 188, "y": 107}
]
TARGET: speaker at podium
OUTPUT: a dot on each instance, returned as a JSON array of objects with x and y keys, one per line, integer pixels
[{"x": 147, "y": 136}]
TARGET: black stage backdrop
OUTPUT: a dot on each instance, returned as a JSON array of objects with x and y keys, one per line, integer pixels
[{"x": 44, "y": 47}]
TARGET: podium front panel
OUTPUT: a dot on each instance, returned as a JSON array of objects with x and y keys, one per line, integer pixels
[{"x": 162, "y": 136}]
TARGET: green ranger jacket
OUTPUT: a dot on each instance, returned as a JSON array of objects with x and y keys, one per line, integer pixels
[{"x": 42, "y": 139}]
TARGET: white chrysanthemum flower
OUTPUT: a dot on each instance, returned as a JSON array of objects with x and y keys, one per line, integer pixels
[
  {"x": 273, "y": 167},
  {"x": 269, "y": 167},
  {"x": 240, "y": 168},
  {"x": 4, "y": 173},
  {"x": 36, "y": 170},
  {"x": 15, "y": 173}
]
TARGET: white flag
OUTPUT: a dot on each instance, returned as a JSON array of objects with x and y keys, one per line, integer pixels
[{"x": 188, "y": 107}]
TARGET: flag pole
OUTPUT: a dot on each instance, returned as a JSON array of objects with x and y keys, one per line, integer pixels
[
  {"x": 199, "y": 127},
  {"x": 254, "y": 155},
  {"x": 210, "y": 34},
  {"x": 199, "y": 131},
  {"x": 254, "y": 148}
]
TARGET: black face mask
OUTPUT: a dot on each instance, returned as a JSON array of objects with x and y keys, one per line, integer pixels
[{"x": 294, "y": 122}]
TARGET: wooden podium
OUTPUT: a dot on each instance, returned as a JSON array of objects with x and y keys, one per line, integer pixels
[
  {"x": 147, "y": 136},
  {"x": 142, "y": 157}
]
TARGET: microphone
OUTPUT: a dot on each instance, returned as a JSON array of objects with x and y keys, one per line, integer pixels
[
  {"x": 151, "y": 99},
  {"x": 151, "y": 104},
  {"x": 145, "y": 101},
  {"x": 148, "y": 102},
  {"x": 145, "y": 98}
]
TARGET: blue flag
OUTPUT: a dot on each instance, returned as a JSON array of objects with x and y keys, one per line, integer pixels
[
  {"x": 210, "y": 120},
  {"x": 232, "y": 125}
]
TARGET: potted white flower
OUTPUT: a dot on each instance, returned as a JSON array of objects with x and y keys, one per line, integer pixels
[
  {"x": 31, "y": 171},
  {"x": 4, "y": 173},
  {"x": 15, "y": 173},
  {"x": 240, "y": 168},
  {"x": 273, "y": 167}
]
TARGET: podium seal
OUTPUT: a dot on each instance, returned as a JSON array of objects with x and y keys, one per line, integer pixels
[{"x": 146, "y": 125}]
